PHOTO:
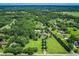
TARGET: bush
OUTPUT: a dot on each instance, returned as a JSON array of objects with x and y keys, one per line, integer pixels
[
  {"x": 35, "y": 39},
  {"x": 25, "y": 50},
  {"x": 43, "y": 44},
  {"x": 30, "y": 53},
  {"x": 74, "y": 29},
  {"x": 35, "y": 49},
  {"x": 75, "y": 50},
  {"x": 70, "y": 45},
  {"x": 30, "y": 50},
  {"x": 44, "y": 47},
  {"x": 15, "y": 51}
]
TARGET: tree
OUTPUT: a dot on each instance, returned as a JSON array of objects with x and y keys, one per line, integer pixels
[
  {"x": 30, "y": 50},
  {"x": 75, "y": 49},
  {"x": 18, "y": 39},
  {"x": 74, "y": 29},
  {"x": 15, "y": 51},
  {"x": 71, "y": 39},
  {"x": 22, "y": 40},
  {"x": 35, "y": 49}
]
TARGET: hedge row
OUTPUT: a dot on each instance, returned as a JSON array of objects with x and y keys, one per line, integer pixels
[{"x": 62, "y": 43}]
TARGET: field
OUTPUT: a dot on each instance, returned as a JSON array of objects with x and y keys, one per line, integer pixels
[
  {"x": 72, "y": 13},
  {"x": 54, "y": 47},
  {"x": 35, "y": 44}
]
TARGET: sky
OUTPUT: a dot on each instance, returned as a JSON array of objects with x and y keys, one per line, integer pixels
[{"x": 39, "y": 3}]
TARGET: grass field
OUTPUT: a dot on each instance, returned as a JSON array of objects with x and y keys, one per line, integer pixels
[
  {"x": 1, "y": 50},
  {"x": 72, "y": 31},
  {"x": 72, "y": 13},
  {"x": 53, "y": 47},
  {"x": 37, "y": 44}
]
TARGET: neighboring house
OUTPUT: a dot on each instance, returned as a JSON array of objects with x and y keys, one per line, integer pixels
[
  {"x": 76, "y": 43},
  {"x": 2, "y": 42}
]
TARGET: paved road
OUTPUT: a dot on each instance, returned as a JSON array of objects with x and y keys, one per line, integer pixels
[{"x": 36, "y": 54}]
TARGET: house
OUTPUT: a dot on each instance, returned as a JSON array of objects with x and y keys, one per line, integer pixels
[{"x": 76, "y": 43}]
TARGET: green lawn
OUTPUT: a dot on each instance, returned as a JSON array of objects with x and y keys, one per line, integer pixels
[
  {"x": 1, "y": 50},
  {"x": 72, "y": 13},
  {"x": 37, "y": 44},
  {"x": 72, "y": 31},
  {"x": 53, "y": 47}
]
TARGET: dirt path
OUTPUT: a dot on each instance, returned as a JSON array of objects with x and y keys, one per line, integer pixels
[{"x": 44, "y": 52}]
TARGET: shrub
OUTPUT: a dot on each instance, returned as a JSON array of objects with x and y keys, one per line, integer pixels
[
  {"x": 74, "y": 29},
  {"x": 30, "y": 50},
  {"x": 35, "y": 49},
  {"x": 75, "y": 49},
  {"x": 15, "y": 51},
  {"x": 30, "y": 53}
]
